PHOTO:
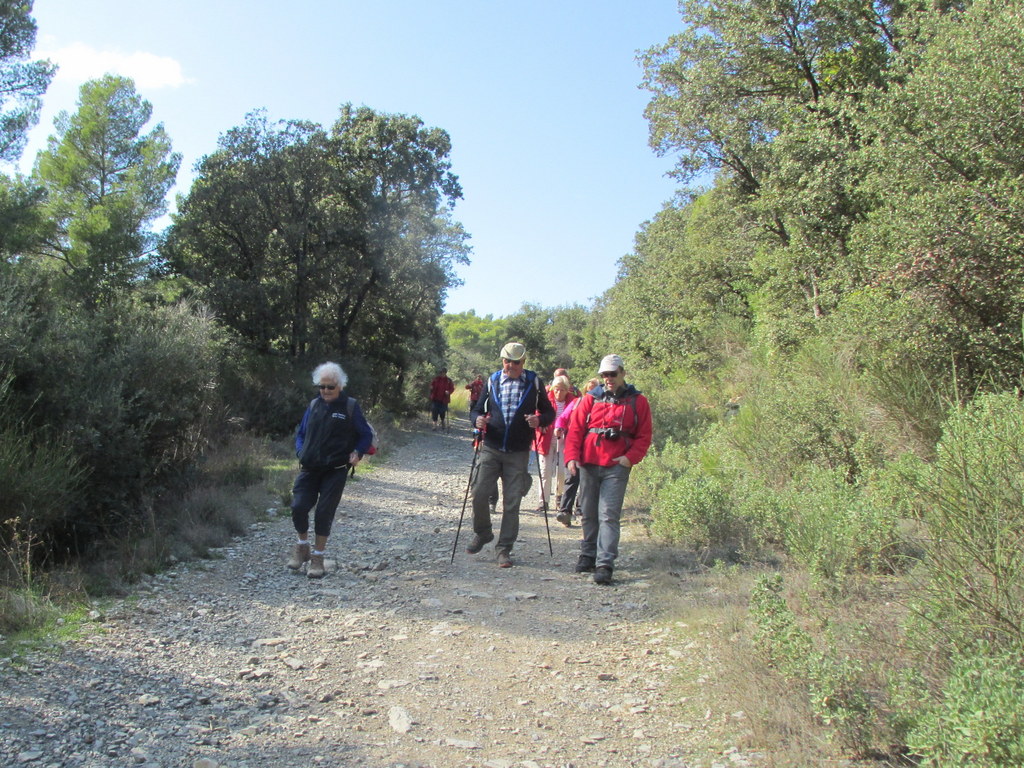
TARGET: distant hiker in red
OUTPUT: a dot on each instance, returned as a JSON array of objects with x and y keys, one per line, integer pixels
[
  {"x": 475, "y": 387},
  {"x": 610, "y": 431},
  {"x": 441, "y": 389}
]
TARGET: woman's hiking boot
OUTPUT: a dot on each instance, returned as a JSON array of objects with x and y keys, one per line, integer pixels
[
  {"x": 300, "y": 555},
  {"x": 316, "y": 567}
]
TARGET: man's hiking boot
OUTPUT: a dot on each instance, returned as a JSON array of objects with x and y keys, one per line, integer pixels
[
  {"x": 316, "y": 567},
  {"x": 300, "y": 555},
  {"x": 565, "y": 518},
  {"x": 585, "y": 564},
  {"x": 504, "y": 559},
  {"x": 603, "y": 574},
  {"x": 478, "y": 542}
]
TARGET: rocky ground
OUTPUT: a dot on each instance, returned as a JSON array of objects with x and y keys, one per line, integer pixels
[{"x": 397, "y": 658}]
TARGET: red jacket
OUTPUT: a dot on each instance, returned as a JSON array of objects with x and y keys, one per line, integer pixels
[
  {"x": 441, "y": 389},
  {"x": 629, "y": 415},
  {"x": 546, "y": 434}
]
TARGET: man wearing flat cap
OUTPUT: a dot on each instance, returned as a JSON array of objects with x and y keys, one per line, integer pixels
[
  {"x": 609, "y": 432},
  {"x": 513, "y": 404}
]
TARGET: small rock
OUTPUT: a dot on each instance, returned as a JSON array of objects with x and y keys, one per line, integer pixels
[
  {"x": 461, "y": 743},
  {"x": 399, "y": 720}
]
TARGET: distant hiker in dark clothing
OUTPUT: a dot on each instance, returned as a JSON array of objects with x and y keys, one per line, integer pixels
[
  {"x": 332, "y": 437},
  {"x": 568, "y": 504},
  {"x": 513, "y": 405},
  {"x": 441, "y": 389},
  {"x": 610, "y": 431}
]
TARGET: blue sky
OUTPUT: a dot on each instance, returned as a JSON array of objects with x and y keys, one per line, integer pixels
[{"x": 540, "y": 98}]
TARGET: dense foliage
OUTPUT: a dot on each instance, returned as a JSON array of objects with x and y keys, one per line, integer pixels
[
  {"x": 127, "y": 354},
  {"x": 830, "y": 333},
  {"x": 311, "y": 243},
  {"x": 829, "y": 329}
]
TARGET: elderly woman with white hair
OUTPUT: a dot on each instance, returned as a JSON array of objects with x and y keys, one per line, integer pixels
[{"x": 331, "y": 438}]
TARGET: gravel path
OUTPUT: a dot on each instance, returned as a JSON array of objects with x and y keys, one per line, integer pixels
[{"x": 397, "y": 658}]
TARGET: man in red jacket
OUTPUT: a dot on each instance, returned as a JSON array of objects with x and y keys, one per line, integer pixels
[
  {"x": 609, "y": 433},
  {"x": 441, "y": 389}
]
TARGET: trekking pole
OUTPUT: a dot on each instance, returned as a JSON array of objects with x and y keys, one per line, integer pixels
[
  {"x": 477, "y": 439},
  {"x": 543, "y": 496}
]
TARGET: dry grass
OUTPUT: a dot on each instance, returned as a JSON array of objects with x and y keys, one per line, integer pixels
[
  {"x": 237, "y": 481},
  {"x": 751, "y": 707}
]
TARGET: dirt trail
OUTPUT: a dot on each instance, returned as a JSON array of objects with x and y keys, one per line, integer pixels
[{"x": 397, "y": 658}]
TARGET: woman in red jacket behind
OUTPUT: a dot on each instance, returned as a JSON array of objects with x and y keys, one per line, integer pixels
[{"x": 610, "y": 432}]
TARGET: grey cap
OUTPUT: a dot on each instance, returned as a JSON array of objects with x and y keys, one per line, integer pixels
[{"x": 610, "y": 363}]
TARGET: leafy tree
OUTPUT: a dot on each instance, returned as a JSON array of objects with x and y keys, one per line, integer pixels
[
  {"x": 22, "y": 224},
  {"x": 398, "y": 181},
  {"x": 947, "y": 159},
  {"x": 310, "y": 242},
  {"x": 22, "y": 82},
  {"x": 566, "y": 338},
  {"x": 472, "y": 342},
  {"x": 105, "y": 183},
  {"x": 760, "y": 91},
  {"x": 254, "y": 233},
  {"x": 532, "y": 325},
  {"x": 687, "y": 277},
  {"x": 733, "y": 80}
]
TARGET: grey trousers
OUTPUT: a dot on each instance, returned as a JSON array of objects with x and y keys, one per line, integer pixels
[
  {"x": 512, "y": 468},
  {"x": 602, "y": 490}
]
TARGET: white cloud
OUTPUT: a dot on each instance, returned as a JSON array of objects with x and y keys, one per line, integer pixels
[{"x": 78, "y": 62}]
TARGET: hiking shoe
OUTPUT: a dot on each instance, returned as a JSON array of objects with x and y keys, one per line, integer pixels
[
  {"x": 504, "y": 559},
  {"x": 316, "y": 567},
  {"x": 585, "y": 564},
  {"x": 603, "y": 574},
  {"x": 300, "y": 555},
  {"x": 565, "y": 518},
  {"x": 478, "y": 542}
]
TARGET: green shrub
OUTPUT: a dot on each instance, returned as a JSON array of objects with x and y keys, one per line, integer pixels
[
  {"x": 831, "y": 680},
  {"x": 682, "y": 406},
  {"x": 978, "y": 720},
  {"x": 128, "y": 395},
  {"x": 766, "y": 510},
  {"x": 694, "y": 509},
  {"x": 834, "y": 530},
  {"x": 659, "y": 468},
  {"x": 792, "y": 421},
  {"x": 781, "y": 642},
  {"x": 975, "y": 524}
]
